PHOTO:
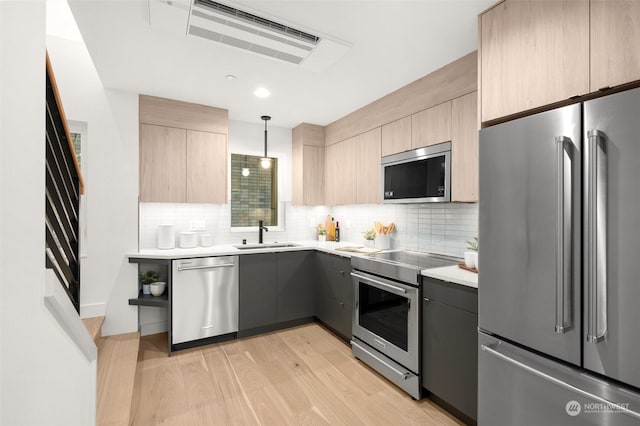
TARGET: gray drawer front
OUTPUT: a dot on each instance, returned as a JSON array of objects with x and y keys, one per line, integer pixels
[{"x": 457, "y": 295}]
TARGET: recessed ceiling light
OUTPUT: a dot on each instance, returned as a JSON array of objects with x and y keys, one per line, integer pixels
[
  {"x": 261, "y": 92},
  {"x": 230, "y": 77}
]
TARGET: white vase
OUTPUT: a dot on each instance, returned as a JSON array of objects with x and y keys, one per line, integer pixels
[
  {"x": 322, "y": 238},
  {"x": 146, "y": 289},
  {"x": 157, "y": 288},
  {"x": 475, "y": 259},
  {"x": 469, "y": 259},
  {"x": 369, "y": 243}
]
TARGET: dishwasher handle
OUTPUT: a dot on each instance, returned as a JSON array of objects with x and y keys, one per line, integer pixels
[{"x": 191, "y": 268}]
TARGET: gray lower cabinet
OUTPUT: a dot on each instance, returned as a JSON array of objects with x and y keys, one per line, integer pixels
[
  {"x": 275, "y": 288},
  {"x": 295, "y": 278},
  {"x": 258, "y": 291},
  {"x": 450, "y": 344},
  {"x": 334, "y": 293}
]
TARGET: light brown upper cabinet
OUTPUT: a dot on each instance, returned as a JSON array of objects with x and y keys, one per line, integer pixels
[
  {"x": 183, "y": 152},
  {"x": 183, "y": 115},
  {"x": 464, "y": 148},
  {"x": 308, "y": 165},
  {"x": 431, "y": 126},
  {"x": 615, "y": 31},
  {"x": 163, "y": 164},
  {"x": 396, "y": 136},
  {"x": 368, "y": 168},
  {"x": 341, "y": 172},
  {"x": 532, "y": 53},
  {"x": 206, "y": 159}
]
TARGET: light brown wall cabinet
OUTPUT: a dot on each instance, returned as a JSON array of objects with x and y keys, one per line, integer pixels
[
  {"x": 396, "y": 136},
  {"x": 308, "y": 165},
  {"x": 532, "y": 53},
  {"x": 536, "y": 53},
  {"x": 431, "y": 126},
  {"x": 353, "y": 170},
  {"x": 183, "y": 152},
  {"x": 162, "y": 164},
  {"x": 206, "y": 167},
  {"x": 341, "y": 173},
  {"x": 182, "y": 166},
  {"x": 615, "y": 31},
  {"x": 368, "y": 168},
  {"x": 464, "y": 148}
]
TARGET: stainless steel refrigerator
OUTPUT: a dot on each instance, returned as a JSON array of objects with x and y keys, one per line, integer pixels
[{"x": 559, "y": 280}]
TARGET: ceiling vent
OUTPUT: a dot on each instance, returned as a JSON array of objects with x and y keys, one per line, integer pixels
[{"x": 241, "y": 29}]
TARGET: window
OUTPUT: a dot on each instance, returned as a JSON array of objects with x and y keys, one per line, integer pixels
[{"x": 254, "y": 191}]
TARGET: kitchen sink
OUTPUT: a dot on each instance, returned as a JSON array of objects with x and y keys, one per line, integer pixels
[{"x": 264, "y": 246}]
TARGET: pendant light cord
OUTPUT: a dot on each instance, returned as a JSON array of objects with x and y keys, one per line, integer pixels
[{"x": 265, "y": 118}]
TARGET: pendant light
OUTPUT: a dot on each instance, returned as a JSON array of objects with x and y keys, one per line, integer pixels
[
  {"x": 245, "y": 169},
  {"x": 265, "y": 161}
]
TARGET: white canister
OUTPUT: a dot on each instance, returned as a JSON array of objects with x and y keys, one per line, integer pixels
[
  {"x": 470, "y": 259},
  {"x": 188, "y": 239},
  {"x": 383, "y": 242},
  {"x": 206, "y": 240},
  {"x": 166, "y": 237}
]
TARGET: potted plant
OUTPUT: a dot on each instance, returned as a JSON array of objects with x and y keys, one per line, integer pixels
[
  {"x": 471, "y": 256},
  {"x": 146, "y": 279},
  {"x": 321, "y": 230},
  {"x": 369, "y": 236}
]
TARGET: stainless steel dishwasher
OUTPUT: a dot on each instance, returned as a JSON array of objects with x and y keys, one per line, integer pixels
[{"x": 204, "y": 298}]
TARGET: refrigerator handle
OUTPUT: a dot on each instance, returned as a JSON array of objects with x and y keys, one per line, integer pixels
[
  {"x": 596, "y": 199},
  {"x": 563, "y": 313},
  {"x": 493, "y": 350}
]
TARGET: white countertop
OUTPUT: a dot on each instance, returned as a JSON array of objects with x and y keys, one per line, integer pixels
[
  {"x": 453, "y": 274},
  {"x": 448, "y": 273},
  {"x": 228, "y": 249}
]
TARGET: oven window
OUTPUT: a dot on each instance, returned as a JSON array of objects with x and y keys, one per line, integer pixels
[{"x": 384, "y": 314}]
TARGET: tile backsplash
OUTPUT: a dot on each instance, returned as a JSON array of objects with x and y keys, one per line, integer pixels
[{"x": 436, "y": 228}]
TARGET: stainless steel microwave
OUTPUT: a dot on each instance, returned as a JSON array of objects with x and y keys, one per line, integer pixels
[{"x": 419, "y": 176}]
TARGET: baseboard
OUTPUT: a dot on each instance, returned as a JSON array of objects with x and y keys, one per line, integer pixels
[
  {"x": 153, "y": 328},
  {"x": 93, "y": 310}
]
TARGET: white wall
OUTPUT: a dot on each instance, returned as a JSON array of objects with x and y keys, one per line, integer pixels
[
  {"x": 111, "y": 184},
  {"x": 44, "y": 378}
]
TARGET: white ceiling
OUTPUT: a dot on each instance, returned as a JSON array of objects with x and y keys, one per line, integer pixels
[{"x": 394, "y": 43}]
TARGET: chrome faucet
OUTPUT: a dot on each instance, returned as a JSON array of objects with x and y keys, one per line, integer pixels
[{"x": 261, "y": 228}]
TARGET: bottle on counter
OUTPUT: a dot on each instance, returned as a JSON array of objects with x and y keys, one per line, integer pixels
[
  {"x": 329, "y": 226},
  {"x": 332, "y": 230},
  {"x": 337, "y": 232}
]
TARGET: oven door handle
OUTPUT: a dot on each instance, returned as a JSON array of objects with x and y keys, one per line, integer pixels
[{"x": 385, "y": 285}]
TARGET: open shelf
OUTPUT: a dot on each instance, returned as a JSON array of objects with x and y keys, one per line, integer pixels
[{"x": 149, "y": 300}]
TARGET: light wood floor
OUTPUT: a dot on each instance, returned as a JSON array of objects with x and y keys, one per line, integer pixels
[{"x": 298, "y": 376}]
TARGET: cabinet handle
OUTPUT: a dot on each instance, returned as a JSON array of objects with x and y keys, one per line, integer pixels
[{"x": 426, "y": 299}]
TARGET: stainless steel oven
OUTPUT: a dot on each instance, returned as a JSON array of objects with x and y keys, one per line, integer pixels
[{"x": 386, "y": 316}]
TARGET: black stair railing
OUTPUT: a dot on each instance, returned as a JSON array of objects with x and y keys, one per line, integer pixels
[{"x": 64, "y": 186}]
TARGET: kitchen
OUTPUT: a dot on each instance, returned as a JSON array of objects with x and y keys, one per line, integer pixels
[{"x": 123, "y": 104}]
